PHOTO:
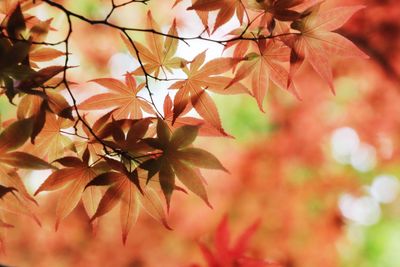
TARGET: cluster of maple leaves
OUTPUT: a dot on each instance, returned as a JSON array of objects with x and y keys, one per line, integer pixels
[{"x": 132, "y": 152}]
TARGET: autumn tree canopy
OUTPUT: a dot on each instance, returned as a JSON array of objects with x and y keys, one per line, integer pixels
[{"x": 131, "y": 140}]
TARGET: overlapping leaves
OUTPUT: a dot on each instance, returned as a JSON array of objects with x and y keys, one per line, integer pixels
[
  {"x": 17, "y": 76},
  {"x": 123, "y": 148},
  {"x": 124, "y": 189},
  {"x": 73, "y": 178},
  {"x": 12, "y": 138},
  {"x": 178, "y": 158},
  {"x": 200, "y": 78},
  {"x": 226, "y": 10}
]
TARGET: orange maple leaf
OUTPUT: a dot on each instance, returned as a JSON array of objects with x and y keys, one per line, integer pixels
[
  {"x": 267, "y": 63},
  {"x": 202, "y": 77},
  {"x": 124, "y": 96},
  {"x": 122, "y": 189},
  {"x": 180, "y": 159},
  {"x": 13, "y": 137},
  {"x": 74, "y": 177},
  {"x": 316, "y": 41},
  {"x": 227, "y": 9},
  {"x": 160, "y": 51}
]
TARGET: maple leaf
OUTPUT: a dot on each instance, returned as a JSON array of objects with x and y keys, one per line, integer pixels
[
  {"x": 227, "y": 255},
  {"x": 41, "y": 54},
  {"x": 203, "y": 15},
  {"x": 227, "y": 9},
  {"x": 160, "y": 52},
  {"x": 131, "y": 142},
  {"x": 124, "y": 189},
  {"x": 199, "y": 78},
  {"x": 205, "y": 128},
  {"x": 100, "y": 129},
  {"x": 37, "y": 106},
  {"x": 280, "y": 10},
  {"x": 13, "y": 137},
  {"x": 17, "y": 75},
  {"x": 33, "y": 105},
  {"x": 124, "y": 96},
  {"x": 73, "y": 178},
  {"x": 178, "y": 158},
  {"x": 120, "y": 135},
  {"x": 316, "y": 41},
  {"x": 38, "y": 29},
  {"x": 13, "y": 56},
  {"x": 266, "y": 64},
  {"x": 121, "y": 190},
  {"x": 38, "y": 78},
  {"x": 51, "y": 142},
  {"x": 19, "y": 78}
]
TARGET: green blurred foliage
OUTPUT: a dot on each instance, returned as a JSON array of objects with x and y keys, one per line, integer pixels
[
  {"x": 6, "y": 109},
  {"x": 373, "y": 246},
  {"x": 242, "y": 118}
]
